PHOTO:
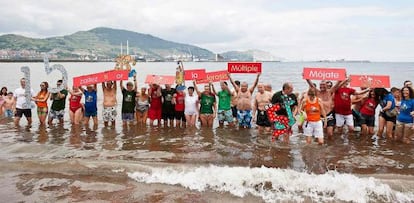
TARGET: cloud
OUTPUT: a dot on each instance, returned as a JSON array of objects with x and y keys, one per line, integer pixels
[{"x": 304, "y": 32}]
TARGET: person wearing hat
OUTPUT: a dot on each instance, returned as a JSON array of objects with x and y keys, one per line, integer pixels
[{"x": 128, "y": 101}]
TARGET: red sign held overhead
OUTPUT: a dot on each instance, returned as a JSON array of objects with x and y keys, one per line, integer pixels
[
  {"x": 324, "y": 73},
  {"x": 160, "y": 79},
  {"x": 195, "y": 74},
  {"x": 112, "y": 75},
  {"x": 244, "y": 67},
  {"x": 372, "y": 81},
  {"x": 215, "y": 76}
]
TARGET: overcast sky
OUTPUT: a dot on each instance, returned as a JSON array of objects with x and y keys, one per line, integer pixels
[{"x": 292, "y": 29}]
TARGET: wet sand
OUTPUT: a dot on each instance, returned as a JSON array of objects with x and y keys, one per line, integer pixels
[{"x": 65, "y": 164}]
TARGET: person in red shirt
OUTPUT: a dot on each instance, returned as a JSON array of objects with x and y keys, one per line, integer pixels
[
  {"x": 342, "y": 106},
  {"x": 179, "y": 102},
  {"x": 369, "y": 104}
]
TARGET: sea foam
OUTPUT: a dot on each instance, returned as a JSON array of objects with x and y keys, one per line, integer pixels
[{"x": 273, "y": 184}]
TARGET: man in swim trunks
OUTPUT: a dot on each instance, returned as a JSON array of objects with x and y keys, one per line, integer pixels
[
  {"x": 224, "y": 112},
  {"x": 109, "y": 103},
  {"x": 244, "y": 101},
  {"x": 57, "y": 110},
  {"x": 262, "y": 99}
]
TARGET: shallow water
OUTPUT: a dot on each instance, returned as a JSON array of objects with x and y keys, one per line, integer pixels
[{"x": 65, "y": 163}]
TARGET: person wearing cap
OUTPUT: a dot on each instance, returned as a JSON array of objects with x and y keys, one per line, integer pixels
[
  {"x": 57, "y": 110},
  {"x": 128, "y": 101},
  {"x": 91, "y": 109}
]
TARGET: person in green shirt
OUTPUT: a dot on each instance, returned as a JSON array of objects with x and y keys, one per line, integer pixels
[
  {"x": 208, "y": 107},
  {"x": 224, "y": 112},
  {"x": 57, "y": 110},
  {"x": 128, "y": 101}
]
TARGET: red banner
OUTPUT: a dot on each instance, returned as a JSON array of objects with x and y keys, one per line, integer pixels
[
  {"x": 324, "y": 73},
  {"x": 112, "y": 75},
  {"x": 160, "y": 79},
  {"x": 370, "y": 81},
  {"x": 215, "y": 76},
  {"x": 244, "y": 67},
  {"x": 195, "y": 74}
]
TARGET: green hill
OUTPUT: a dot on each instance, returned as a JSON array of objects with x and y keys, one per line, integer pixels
[{"x": 101, "y": 43}]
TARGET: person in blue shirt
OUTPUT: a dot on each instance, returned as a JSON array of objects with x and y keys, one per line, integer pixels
[
  {"x": 404, "y": 128},
  {"x": 387, "y": 116},
  {"x": 91, "y": 109}
]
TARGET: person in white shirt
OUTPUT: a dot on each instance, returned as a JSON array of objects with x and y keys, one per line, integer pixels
[{"x": 23, "y": 106}]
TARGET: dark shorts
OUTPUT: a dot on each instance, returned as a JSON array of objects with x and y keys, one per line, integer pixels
[
  {"x": 91, "y": 114},
  {"x": 26, "y": 112},
  {"x": 234, "y": 111},
  {"x": 179, "y": 115},
  {"x": 331, "y": 119},
  {"x": 167, "y": 114},
  {"x": 357, "y": 117},
  {"x": 387, "y": 118},
  {"x": 367, "y": 120},
  {"x": 262, "y": 119},
  {"x": 128, "y": 116}
]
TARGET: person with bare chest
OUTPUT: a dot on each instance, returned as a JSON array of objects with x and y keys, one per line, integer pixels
[{"x": 109, "y": 103}]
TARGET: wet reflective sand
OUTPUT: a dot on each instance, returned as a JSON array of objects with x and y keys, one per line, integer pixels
[{"x": 77, "y": 163}]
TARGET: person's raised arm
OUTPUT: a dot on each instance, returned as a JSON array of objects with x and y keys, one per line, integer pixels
[
  {"x": 212, "y": 88},
  {"x": 103, "y": 86},
  {"x": 310, "y": 83},
  {"x": 121, "y": 85},
  {"x": 362, "y": 92},
  {"x": 135, "y": 83},
  {"x": 196, "y": 88},
  {"x": 255, "y": 83},
  {"x": 236, "y": 88},
  {"x": 95, "y": 87}
]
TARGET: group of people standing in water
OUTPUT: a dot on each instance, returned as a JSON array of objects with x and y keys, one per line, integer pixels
[{"x": 317, "y": 112}]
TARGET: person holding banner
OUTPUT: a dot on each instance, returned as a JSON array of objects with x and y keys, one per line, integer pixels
[
  {"x": 404, "y": 128},
  {"x": 342, "y": 107},
  {"x": 91, "y": 109},
  {"x": 57, "y": 110},
  {"x": 179, "y": 108},
  {"x": 75, "y": 106},
  {"x": 155, "y": 110},
  {"x": 109, "y": 103},
  {"x": 326, "y": 94},
  {"x": 208, "y": 107},
  {"x": 244, "y": 101},
  {"x": 191, "y": 107},
  {"x": 20, "y": 97},
  {"x": 128, "y": 101},
  {"x": 167, "y": 112},
  {"x": 41, "y": 102}
]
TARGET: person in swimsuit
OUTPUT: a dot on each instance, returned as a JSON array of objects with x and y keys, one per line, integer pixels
[
  {"x": 155, "y": 110},
  {"x": 191, "y": 107},
  {"x": 142, "y": 106},
  {"x": 41, "y": 102},
  {"x": 75, "y": 106},
  {"x": 208, "y": 107}
]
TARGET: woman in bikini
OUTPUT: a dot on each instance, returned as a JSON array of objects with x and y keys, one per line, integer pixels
[
  {"x": 75, "y": 106},
  {"x": 41, "y": 102},
  {"x": 142, "y": 106}
]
